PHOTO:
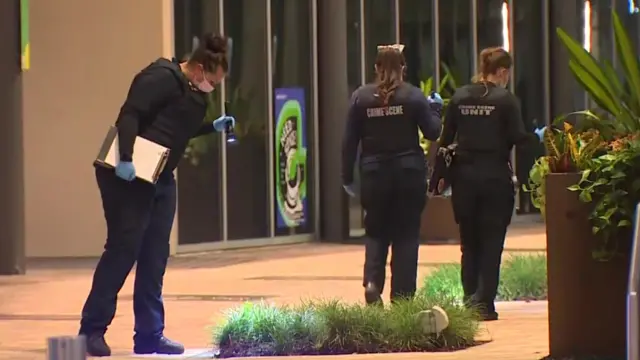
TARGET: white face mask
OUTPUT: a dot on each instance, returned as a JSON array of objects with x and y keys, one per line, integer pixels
[{"x": 205, "y": 86}]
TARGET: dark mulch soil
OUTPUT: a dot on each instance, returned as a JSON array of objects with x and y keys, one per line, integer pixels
[
  {"x": 581, "y": 358},
  {"x": 252, "y": 349},
  {"x": 528, "y": 298}
]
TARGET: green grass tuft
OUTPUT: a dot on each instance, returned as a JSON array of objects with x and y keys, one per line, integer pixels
[
  {"x": 443, "y": 284},
  {"x": 336, "y": 327},
  {"x": 522, "y": 277},
  {"x": 331, "y": 327}
]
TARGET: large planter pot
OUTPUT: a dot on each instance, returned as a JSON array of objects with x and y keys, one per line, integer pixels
[
  {"x": 586, "y": 297},
  {"x": 437, "y": 224}
]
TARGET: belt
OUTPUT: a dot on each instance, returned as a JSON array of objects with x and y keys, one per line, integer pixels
[{"x": 405, "y": 160}]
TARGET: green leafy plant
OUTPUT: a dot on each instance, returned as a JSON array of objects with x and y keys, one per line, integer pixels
[
  {"x": 608, "y": 181},
  {"x": 612, "y": 185},
  {"x": 570, "y": 151},
  {"x": 618, "y": 97},
  {"x": 567, "y": 151},
  {"x": 445, "y": 88},
  {"x": 602, "y": 145},
  {"x": 560, "y": 150},
  {"x": 536, "y": 183}
]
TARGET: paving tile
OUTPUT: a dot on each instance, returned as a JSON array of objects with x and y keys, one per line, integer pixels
[{"x": 200, "y": 287}]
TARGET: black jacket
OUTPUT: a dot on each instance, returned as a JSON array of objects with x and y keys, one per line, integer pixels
[
  {"x": 486, "y": 123},
  {"x": 387, "y": 130},
  {"x": 162, "y": 106}
]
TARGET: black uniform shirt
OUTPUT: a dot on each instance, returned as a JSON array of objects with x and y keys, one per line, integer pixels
[
  {"x": 163, "y": 107},
  {"x": 485, "y": 121},
  {"x": 387, "y": 130}
]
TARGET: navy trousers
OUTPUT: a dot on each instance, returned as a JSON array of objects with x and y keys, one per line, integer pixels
[
  {"x": 139, "y": 218},
  {"x": 393, "y": 198},
  {"x": 483, "y": 210}
]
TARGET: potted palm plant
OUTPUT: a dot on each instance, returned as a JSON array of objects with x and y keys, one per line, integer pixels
[{"x": 588, "y": 187}]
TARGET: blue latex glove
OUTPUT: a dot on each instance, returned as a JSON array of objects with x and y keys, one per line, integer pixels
[
  {"x": 349, "y": 189},
  {"x": 435, "y": 98},
  {"x": 221, "y": 123},
  {"x": 126, "y": 171},
  {"x": 435, "y": 101},
  {"x": 540, "y": 132}
]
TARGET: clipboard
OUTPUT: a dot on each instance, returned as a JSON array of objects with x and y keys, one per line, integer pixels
[{"x": 149, "y": 158}]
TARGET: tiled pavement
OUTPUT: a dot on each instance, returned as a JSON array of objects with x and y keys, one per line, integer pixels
[{"x": 200, "y": 287}]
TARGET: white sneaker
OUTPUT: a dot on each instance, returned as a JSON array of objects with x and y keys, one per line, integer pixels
[{"x": 433, "y": 321}]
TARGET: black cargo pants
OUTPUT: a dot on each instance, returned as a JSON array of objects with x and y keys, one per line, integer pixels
[
  {"x": 139, "y": 219},
  {"x": 393, "y": 194},
  {"x": 483, "y": 210}
]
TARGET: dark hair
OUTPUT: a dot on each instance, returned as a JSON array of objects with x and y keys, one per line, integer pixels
[
  {"x": 211, "y": 53},
  {"x": 389, "y": 67},
  {"x": 490, "y": 61}
]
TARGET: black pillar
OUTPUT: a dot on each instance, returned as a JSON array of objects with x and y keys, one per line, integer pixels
[
  {"x": 333, "y": 106},
  {"x": 12, "y": 259},
  {"x": 566, "y": 96},
  {"x": 630, "y": 22}
]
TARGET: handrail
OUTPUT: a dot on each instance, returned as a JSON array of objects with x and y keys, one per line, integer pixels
[{"x": 633, "y": 306}]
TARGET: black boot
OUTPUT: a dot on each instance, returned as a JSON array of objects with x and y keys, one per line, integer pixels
[
  {"x": 372, "y": 294},
  {"x": 486, "y": 312},
  {"x": 97, "y": 346},
  {"x": 160, "y": 345},
  {"x": 489, "y": 316}
]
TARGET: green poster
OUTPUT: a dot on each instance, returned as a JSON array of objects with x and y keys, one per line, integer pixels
[
  {"x": 24, "y": 35},
  {"x": 291, "y": 158}
]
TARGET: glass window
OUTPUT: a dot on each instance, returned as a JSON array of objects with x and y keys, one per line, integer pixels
[
  {"x": 380, "y": 29},
  {"x": 416, "y": 33},
  {"x": 354, "y": 79},
  {"x": 456, "y": 39},
  {"x": 292, "y": 84},
  {"x": 568, "y": 15},
  {"x": 528, "y": 84},
  {"x": 354, "y": 53},
  {"x": 602, "y": 42},
  {"x": 248, "y": 202},
  {"x": 200, "y": 173},
  {"x": 191, "y": 19},
  {"x": 630, "y": 15},
  {"x": 580, "y": 98},
  {"x": 491, "y": 23}
]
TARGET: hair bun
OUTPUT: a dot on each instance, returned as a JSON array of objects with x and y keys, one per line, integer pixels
[
  {"x": 215, "y": 43},
  {"x": 485, "y": 55}
]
